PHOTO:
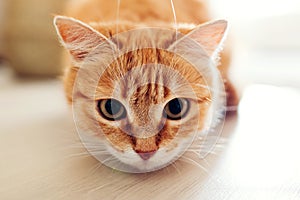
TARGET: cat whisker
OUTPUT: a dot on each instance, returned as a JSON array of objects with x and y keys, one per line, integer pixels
[
  {"x": 191, "y": 161},
  {"x": 175, "y": 18},
  {"x": 211, "y": 145},
  {"x": 206, "y": 144},
  {"x": 173, "y": 164},
  {"x": 197, "y": 152},
  {"x": 167, "y": 169},
  {"x": 98, "y": 150},
  {"x": 91, "y": 144},
  {"x": 109, "y": 159},
  {"x": 208, "y": 138},
  {"x": 115, "y": 164},
  {"x": 208, "y": 88},
  {"x": 84, "y": 152},
  {"x": 83, "y": 147},
  {"x": 98, "y": 188},
  {"x": 209, "y": 151},
  {"x": 81, "y": 144},
  {"x": 212, "y": 152},
  {"x": 204, "y": 160},
  {"x": 88, "y": 154},
  {"x": 81, "y": 155},
  {"x": 75, "y": 146},
  {"x": 100, "y": 165},
  {"x": 95, "y": 168}
]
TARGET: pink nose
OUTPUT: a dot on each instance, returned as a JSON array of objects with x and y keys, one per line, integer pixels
[{"x": 146, "y": 155}]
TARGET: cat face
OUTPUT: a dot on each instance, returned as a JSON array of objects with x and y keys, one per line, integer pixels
[{"x": 140, "y": 97}]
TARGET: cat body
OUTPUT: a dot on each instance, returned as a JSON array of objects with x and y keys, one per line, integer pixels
[
  {"x": 148, "y": 12},
  {"x": 143, "y": 79}
]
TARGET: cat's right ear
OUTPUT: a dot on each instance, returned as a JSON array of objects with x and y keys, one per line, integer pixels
[
  {"x": 77, "y": 37},
  {"x": 210, "y": 36}
]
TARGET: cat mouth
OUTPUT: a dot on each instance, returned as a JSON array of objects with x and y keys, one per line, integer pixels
[{"x": 146, "y": 155}]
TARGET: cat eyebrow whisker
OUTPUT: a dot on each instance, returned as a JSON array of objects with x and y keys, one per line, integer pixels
[
  {"x": 203, "y": 86},
  {"x": 118, "y": 18},
  {"x": 207, "y": 87},
  {"x": 175, "y": 18}
]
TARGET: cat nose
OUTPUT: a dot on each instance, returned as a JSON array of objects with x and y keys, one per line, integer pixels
[{"x": 146, "y": 155}]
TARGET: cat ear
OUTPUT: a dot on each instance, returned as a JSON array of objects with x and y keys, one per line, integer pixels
[
  {"x": 210, "y": 36},
  {"x": 79, "y": 38}
]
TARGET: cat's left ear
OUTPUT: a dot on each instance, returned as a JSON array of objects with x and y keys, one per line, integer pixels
[{"x": 209, "y": 36}]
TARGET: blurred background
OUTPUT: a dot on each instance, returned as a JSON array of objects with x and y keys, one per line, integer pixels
[
  {"x": 27, "y": 38},
  {"x": 266, "y": 37}
]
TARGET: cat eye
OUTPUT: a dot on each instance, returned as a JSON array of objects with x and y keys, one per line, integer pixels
[
  {"x": 177, "y": 108},
  {"x": 111, "y": 109}
]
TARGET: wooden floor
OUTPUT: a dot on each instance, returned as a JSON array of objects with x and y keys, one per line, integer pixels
[{"x": 41, "y": 156}]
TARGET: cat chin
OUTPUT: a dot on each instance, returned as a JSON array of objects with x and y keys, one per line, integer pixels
[
  {"x": 130, "y": 161},
  {"x": 138, "y": 165}
]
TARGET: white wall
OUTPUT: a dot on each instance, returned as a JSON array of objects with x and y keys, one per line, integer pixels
[{"x": 266, "y": 36}]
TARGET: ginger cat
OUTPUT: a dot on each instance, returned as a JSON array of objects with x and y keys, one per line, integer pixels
[{"x": 143, "y": 79}]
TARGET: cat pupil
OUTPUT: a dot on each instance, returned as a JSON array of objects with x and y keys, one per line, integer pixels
[
  {"x": 112, "y": 107},
  {"x": 175, "y": 106}
]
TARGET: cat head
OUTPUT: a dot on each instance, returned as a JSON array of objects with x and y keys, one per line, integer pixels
[{"x": 141, "y": 95}]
